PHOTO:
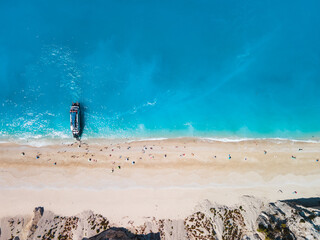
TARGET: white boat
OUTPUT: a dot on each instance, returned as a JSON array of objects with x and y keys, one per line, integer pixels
[{"x": 75, "y": 119}]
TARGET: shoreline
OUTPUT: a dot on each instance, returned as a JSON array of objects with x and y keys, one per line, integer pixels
[{"x": 46, "y": 141}]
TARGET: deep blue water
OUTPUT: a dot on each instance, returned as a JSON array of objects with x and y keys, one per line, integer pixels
[{"x": 161, "y": 68}]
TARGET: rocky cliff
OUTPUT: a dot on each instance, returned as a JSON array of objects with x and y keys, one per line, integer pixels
[{"x": 251, "y": 219}]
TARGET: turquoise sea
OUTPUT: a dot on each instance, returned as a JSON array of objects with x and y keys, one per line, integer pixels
[{"x": 144, "y": 68}]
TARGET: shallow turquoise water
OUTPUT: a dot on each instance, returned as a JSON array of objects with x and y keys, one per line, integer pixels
[{"x": 158, "y": 68}]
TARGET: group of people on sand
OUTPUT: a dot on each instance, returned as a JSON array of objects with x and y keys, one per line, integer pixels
[
  {"x": 119, "y": 167},
  {"x": 144, "y": 150}
]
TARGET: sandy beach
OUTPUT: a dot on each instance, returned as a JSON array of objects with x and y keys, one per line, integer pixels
[{"x": 133, "y": 181}]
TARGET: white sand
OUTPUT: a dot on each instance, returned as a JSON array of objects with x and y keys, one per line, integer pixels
[{"x": 155, "y": 186}]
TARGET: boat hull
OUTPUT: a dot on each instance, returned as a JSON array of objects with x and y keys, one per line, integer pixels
[{"x": 75, "y": 120}]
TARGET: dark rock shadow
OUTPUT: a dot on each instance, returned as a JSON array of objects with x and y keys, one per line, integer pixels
[
  {"x": 123, "y": 234},
  {"x": 307, "y": 215},
  {"x": 305, "y": 202}
]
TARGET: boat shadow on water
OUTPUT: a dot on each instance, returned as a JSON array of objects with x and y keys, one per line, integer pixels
[{"x": 82, "y": 120}]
